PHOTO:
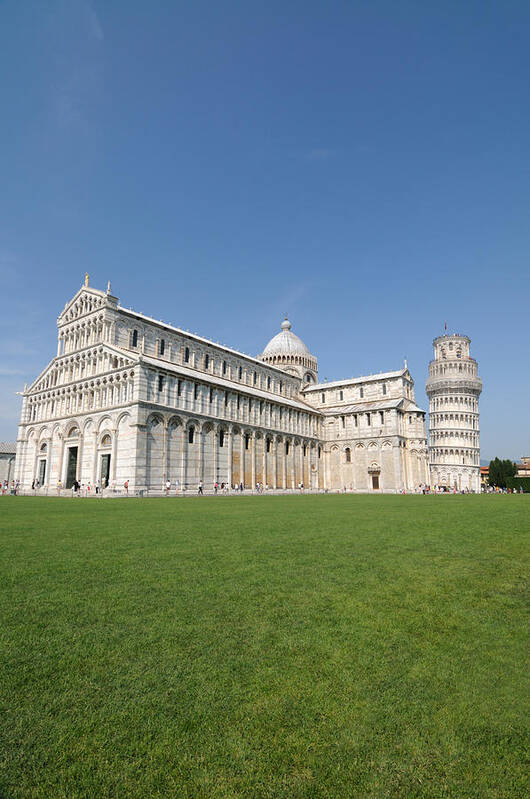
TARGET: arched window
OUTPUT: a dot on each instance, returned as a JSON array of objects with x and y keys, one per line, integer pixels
[
  {"x": 221, "y": 438},
  {"x": 240, "y": 373},
  {"x": 206, "y": 361},
  {"x": 347, "y": 452},
  {"x": 106, "y": 441},
  {"x": 43, "y": 448},
  {"x": 361, "y": 392},
  {"x": 186, "y": 355},
  {"x": 191, "y": 435},
  {"x": 134, "y": 338},
  {"x": 162, "y": 346},
  {"x": 247, "y": 440}
]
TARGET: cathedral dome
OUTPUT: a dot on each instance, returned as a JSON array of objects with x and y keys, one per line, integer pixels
[
  {"x": 285, "y": 343},
  {"x": 289, "y": 352}
]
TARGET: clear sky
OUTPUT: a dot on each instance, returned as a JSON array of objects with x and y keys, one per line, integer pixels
[{"x": 360, "y": 166}]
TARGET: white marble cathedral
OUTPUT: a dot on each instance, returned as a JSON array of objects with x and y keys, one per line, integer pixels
[{"x": 130, "y": 398}]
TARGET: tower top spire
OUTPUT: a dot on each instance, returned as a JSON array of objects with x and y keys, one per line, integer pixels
[{"x": 86, "y": 278}]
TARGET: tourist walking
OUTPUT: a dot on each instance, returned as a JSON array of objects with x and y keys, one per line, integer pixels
[{"x": 200, "y": 491}]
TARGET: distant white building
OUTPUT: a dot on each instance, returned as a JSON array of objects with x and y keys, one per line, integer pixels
[
  {"x": 454, "y": 388},
  {"x": 130, "y": 398},
  {"x": 7, "y": 461}
]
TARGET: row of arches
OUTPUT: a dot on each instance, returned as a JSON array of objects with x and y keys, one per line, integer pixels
[
  {"x": 457, "y": 455},
  {"x": 83, "y": 334},
  {"x": 85, "y": 364},
  {"x": 438, "y": 419},
  {"x": 111, "y": 390},
  {"x": 378, "y": 467},
  {"x": 296, "y": 360},
  {"x": 457, "y": 401},
  {"x": 459, "y": 480},
  {"x": 468, "y": 367},
  {"x": 209, "y": 400},
  {"x": 86, "y": 303},
  {"x": 186, "y": 451},
  {"x": 57, "y": 455}
]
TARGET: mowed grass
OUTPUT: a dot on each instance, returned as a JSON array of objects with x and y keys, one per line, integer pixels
[{"x": 329, "y": 646}]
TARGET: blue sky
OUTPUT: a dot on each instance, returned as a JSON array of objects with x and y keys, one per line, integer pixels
[{"x": 361, "y": 166}]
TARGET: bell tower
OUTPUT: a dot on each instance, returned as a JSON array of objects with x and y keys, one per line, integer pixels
[{"x": 454, "y": 388}]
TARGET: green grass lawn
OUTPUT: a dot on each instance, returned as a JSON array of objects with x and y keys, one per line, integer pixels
[{"x": 301, "y": 646}]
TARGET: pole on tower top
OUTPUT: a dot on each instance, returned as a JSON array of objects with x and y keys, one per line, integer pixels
[{"x": 86, "y": 278}]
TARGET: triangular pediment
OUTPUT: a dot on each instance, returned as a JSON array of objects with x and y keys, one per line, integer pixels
[{"x": 85, "y": 301}]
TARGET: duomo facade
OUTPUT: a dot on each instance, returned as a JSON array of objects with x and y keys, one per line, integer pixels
[{"x": 130, "y": 398}]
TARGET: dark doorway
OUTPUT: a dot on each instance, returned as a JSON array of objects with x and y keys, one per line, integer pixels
[
  {"x": 42, "y": 472},
  {"x": 105, "y": 470},
  {"x": 375, "y": 482},
  {"x": 71, "y": 467}
]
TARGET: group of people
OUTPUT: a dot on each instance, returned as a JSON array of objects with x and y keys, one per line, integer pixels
[
  {"x": 499, "y": 490},
  {"x": 9, "y": 488},
  {"x": 88, "y": 489},
  {"x": 218, "y": 488}
]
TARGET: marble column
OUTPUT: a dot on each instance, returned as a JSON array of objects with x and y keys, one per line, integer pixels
[
  {"x": 253, "y": 461},
  {"x": 230, "y": 446},
  {"x": 114, "y": 455}
]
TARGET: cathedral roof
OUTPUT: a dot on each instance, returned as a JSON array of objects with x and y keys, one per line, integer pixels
[
  {"x": 352, "y": 381},
  {"x": 285, "y": 343}
]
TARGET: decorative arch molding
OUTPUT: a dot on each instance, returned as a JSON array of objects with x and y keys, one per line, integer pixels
[
  {"x": 153, "y": 420},
  {"x": 104, "y": 420},
  {"x": 105, "y": 439},
  {"x": 122, "y": 418}
]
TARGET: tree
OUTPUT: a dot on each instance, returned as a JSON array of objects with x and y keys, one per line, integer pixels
[{"x": 499, "y": 471}]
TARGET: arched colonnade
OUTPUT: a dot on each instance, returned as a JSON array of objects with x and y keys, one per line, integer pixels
[{"x": 189, "y": 450}]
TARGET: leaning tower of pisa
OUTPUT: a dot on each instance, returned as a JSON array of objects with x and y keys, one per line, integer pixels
[{"x": 453, "y": 388}]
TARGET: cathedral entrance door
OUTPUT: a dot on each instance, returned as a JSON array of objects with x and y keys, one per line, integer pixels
[
  {"x": 375, "y": 482},
  {"x": 105, "y": 470},
  {"x": 71, "y": 466}
]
